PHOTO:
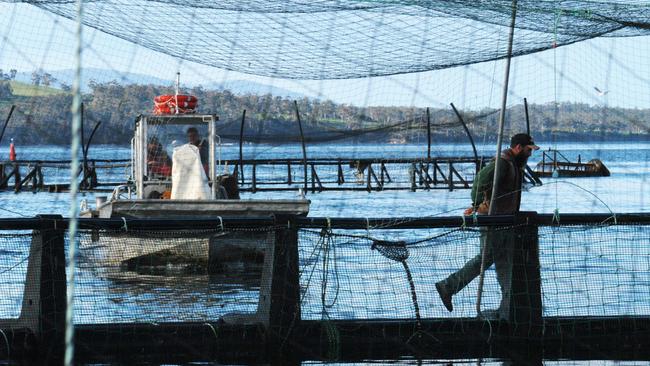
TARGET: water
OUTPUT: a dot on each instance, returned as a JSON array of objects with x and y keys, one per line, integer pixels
[
  {"x": 586, "y": 272},
  {"x": 627, "y": 190}
]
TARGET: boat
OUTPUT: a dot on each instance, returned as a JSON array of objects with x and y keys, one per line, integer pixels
[
  {"x": 192, "y": 183},
  {"x": 555, "y": 164}
]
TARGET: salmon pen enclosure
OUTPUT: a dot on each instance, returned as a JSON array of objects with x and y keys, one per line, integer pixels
[{"x": 325, "y": 289}]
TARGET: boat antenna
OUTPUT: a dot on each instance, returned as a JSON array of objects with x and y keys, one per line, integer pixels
[{"x": 178, "y": 85}]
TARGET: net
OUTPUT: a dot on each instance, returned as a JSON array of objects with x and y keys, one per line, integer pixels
[
  {"x": 367, "y": 87},
  {"x": 328, "y": 39},
  {"x": 346, "y": 279}
]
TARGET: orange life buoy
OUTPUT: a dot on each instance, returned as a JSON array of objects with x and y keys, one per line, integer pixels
[{"x": 171, "y": 104}]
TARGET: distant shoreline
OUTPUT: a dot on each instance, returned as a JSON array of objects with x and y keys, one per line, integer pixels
[{"x": 421, "y": 141}]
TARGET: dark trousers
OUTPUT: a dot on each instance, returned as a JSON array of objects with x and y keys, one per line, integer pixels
[{"x": 498, "y": 250}]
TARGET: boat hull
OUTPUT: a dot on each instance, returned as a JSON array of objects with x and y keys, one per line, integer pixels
[{"x": 216, "y": 251}]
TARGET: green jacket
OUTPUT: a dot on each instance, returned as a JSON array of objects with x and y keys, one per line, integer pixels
[{"x": 509, "y": 190}]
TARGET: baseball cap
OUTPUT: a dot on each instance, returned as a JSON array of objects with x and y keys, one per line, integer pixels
[{"x": 523, "y": 139}]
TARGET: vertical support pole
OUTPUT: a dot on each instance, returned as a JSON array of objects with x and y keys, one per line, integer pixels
[
  {"x": 84, "y": 164},
  {"x": 369, "y": 181},
  {"x": 502, "y": 117},
  {"x": 40, "y": 177},
  {"x": 525, "y": 302},
  {"x": 451, "y": 176},
  {"x": 93, "y": 174},
  {"x": 412, "y": 177},
  {"x": 35, "y": 178},
  {"x": 304, "y": 149},
  {"x": 340, "y": 179},
  {"x": 428, "y": 135},
  {"x": 279, "y": 305},
  {"x": 17, "y": 178},
  {"x": 212, "y": 170},
  {"x": 2, "y": 176},
  {"x": 52, "y": 294},
  {"x": 435, "y": 172},
  {"x": 241, "y": 146},
  {"x": 254, "y": 187},
  {"x": 289, "y": 175}
]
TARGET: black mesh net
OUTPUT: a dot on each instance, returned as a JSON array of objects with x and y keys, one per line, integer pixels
[
  {"x": 201, "y": 277},
  {"x": 14, "y": 250},
  {"x": 330, "y": 39}
]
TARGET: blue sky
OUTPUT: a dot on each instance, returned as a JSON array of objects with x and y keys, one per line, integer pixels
[{"x": 33, "y": 38}]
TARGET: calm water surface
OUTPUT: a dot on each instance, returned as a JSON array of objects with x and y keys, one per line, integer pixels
[{"x": 585, "y": 272}]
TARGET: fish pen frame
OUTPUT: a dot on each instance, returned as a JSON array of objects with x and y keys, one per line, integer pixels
[{"x": 277, "y": 329}]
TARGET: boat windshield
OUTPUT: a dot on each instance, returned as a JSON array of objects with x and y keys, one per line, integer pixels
[{"x": 163, "y": 139}]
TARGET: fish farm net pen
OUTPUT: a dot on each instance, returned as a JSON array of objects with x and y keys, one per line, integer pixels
[{"x": 306, "y": 283}]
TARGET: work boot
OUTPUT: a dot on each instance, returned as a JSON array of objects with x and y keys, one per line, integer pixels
[{"x": 444, "y": 296}]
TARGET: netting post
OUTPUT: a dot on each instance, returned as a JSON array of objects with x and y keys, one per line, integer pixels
[
  {"x": 525, "y": 302},
  {"x": 279, "y": 306},
  {"x": 3, "y": 184},
  {"x": 52, "y": 289}
]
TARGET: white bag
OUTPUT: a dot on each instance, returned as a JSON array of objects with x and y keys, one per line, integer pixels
[{"x": 189, "y": 181}]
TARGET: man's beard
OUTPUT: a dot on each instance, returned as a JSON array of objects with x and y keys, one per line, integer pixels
[{"x": 521, "y": 160}]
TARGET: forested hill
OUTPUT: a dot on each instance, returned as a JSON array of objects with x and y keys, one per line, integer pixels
[{"x": 44, "y": 117}]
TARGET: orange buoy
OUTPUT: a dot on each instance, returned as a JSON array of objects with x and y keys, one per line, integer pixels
[
  {"x": 172, "y": 104},
  {"x": 12, "y": 151}
]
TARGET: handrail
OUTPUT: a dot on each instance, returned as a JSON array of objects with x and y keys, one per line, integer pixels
[{"x": 336, "y": 222}]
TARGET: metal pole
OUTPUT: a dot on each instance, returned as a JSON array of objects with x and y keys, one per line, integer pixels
[
  {"x": 11, "y": 111},
  {"x": 84, "y": 164},
  {"x": 241, "y": 147},
  {"x": 304, "y": 149},
  {"x": 428, "y": 134},
  {"x": 90, "y": 139},
  {"x": 178, "y": 85},
  {"x": 527, "y": 118},
  {"x": 469, "y": 135},
  {"x": 212, "y": 169},
  {"x": 74, "y": 186},
  {"x": 502, "y": 115}
]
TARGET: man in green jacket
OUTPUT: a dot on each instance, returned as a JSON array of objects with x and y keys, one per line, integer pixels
[{"x": 506, "y": 202}]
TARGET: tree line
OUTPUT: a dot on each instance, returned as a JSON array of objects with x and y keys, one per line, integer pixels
[{"x": 46, "y": 119}]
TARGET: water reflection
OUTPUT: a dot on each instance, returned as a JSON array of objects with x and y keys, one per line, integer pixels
[{"x": 161, "y": 294}]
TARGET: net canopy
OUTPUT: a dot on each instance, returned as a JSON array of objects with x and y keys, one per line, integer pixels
[{"x": 329, "y": 39}]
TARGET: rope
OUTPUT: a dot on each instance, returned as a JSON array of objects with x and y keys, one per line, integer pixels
[
  {"x": 326, "y": 236},
  {"x": 124, "y": 226},
  {"x": 397, "y": 251},
  {"x": 75, "y": 144}
]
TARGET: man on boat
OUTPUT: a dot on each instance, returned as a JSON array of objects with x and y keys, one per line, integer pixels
[
  {"x": 506, "y": 202},
  {"x": 194, "y": 139},
  {"x": 158, "y": 161}
]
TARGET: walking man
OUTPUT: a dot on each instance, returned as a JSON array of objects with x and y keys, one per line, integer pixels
[{"x": 495, "y": 241}]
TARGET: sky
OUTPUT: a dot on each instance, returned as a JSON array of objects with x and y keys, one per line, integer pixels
[{"x": 619, "y": 67}]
